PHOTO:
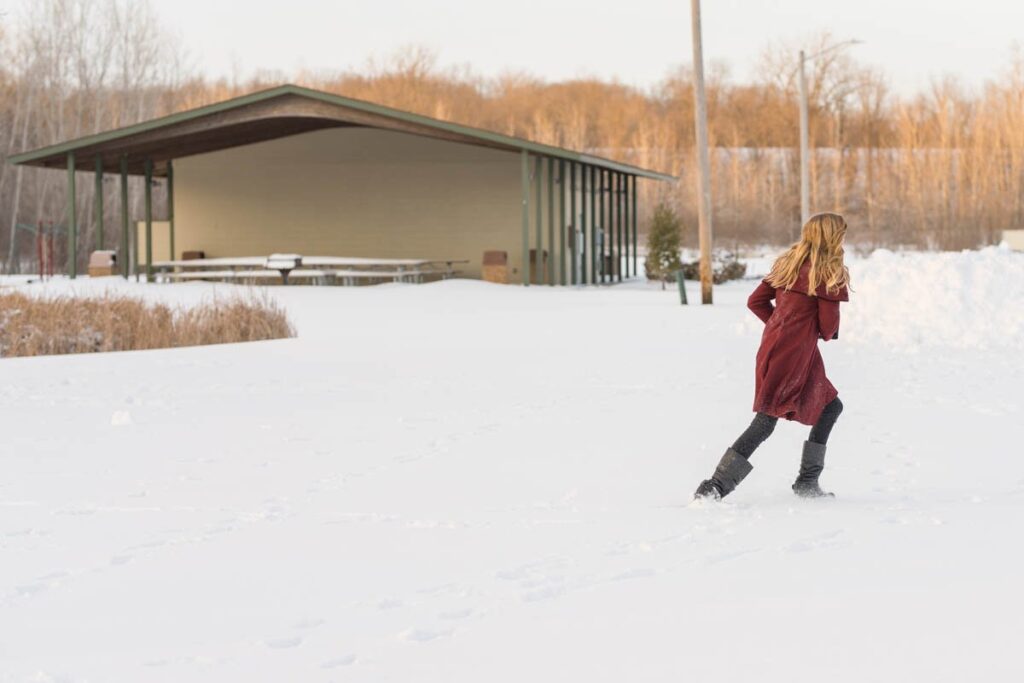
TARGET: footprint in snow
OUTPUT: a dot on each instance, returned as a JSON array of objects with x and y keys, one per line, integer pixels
[
  {"x": 309, "y": 623},
  {"x": 41, "y": 584},
  {"x": 347, "y": 660},
  {"x": 423, "y": 635},
  {"x": 456, "y": 614},
  {"x": 637, "y": 573},
  {"x": 283, "y": 643},
  {"x": 728, "y": 557},
  {"x": 827, "y": 540},
  {"x": 546, "y": 593}
]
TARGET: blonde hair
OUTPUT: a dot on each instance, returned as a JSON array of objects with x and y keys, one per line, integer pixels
[{"x": 821, "y": 243}]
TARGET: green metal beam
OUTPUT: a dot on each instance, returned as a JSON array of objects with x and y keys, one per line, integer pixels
[
  {"x": 99, "y": 202},
  {"x": 170, "y": 204},
  {"x": 575, "y": 225},
  {"x": 538, "y": 261},
  {"x": 561, "y": 221},
  {"x": 124, "y": 257},
  {"x": 72, "y": 224},
  {"x": 149, "y": 219},
  {"x": 524, "y": 164}
]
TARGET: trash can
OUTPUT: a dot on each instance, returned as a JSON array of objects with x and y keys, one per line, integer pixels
[
  {"x": 103, "y": 263},
  {"x": 496, "y": 267}
]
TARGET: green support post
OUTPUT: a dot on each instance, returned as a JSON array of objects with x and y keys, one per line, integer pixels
[
  {"x": 625, "y": 214},
  {"x": 525, "y": 189},
  {"x": 170, "y": 204},
  {"x": 624, "y": 255},
  {"x": 99, "y": 202},
  {"x": 634, "y": 221},
  {"x": 609, "y": 233},
  {"x": 603, "y": 232},
  {"x": 561, "y": 222},
  {"x": 124, "y": 256},
  {"x": 537, "y": 270},
  {"x": 681, "y": 284},
  {"x": 575, "y": 224},
  {"x": 149, "y": 219},
  {"x": 550, "y": 274},
  {"x": 611, "y": 227},
  {"x": 584, "y": 252},
  {"x": 618, "y": 226},
  {"x": 72, "y": 224},
  {"x": 593, "y": 226}
]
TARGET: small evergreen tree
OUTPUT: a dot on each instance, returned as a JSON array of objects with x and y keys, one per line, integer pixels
[{"x": 663, "y": 242}]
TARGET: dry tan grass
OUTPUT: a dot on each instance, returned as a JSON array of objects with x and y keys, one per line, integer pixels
[{"x": 37, "y": 326}]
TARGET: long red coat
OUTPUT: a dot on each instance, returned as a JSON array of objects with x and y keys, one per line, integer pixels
[{"x": 790, "y": 379}]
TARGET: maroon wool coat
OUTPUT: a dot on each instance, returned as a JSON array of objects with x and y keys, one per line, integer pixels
[{"x": 790, "y": 379}]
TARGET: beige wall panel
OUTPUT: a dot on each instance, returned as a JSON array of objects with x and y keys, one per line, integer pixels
[
  {"x": 351, "y": 192},
  {"x": 161, "y": 241},
  {"x": 1014, "y": 239}
]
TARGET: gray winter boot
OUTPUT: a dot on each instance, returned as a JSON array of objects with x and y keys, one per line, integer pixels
[
  {"x": 731, "y": 470},
  {"x": 811, "y": 465}
]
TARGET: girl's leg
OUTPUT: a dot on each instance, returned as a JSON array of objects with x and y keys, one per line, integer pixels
[
  {"x": 760, "y": 429},
  {"x": 813, "y": 460},
  {"x": 823, "y": 427},
  {"x": 734, "y": 465}
]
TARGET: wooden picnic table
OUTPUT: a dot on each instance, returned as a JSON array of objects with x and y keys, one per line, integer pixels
[
  {"x": 348, "y": 269},
  {"x": 230, "y": 262}
]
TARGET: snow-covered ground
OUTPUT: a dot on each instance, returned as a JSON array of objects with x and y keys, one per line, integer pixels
[{"x": 464, "y": 482}]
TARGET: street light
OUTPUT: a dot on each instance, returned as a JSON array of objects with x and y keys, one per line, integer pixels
[{"x": 805, "y": 171}]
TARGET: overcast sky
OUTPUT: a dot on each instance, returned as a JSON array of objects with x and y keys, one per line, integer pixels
[{"x": 636, "y": 41}]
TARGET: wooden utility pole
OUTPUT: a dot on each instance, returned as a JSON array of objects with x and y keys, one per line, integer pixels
[
  {"x": 805, "y": 145},
  {"x": 805, "y": 165},
  {"x": 700, "y": 113}
]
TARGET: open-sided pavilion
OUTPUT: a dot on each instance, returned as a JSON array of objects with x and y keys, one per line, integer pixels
[{"x": 296, "y": 170}]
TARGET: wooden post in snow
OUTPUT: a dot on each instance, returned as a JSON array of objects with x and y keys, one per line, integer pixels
[{"x": 704, "y": 163}]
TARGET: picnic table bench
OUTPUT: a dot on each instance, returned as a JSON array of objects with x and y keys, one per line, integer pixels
[{"x": 321, "y": 269}]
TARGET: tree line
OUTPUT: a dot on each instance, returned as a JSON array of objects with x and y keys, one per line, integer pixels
[{"x": 943, "y": 168}]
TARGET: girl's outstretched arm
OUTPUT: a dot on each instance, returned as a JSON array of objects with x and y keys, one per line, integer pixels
[
  {"x": 760, "y": 301},
  {"x": 828, "y": 319}
]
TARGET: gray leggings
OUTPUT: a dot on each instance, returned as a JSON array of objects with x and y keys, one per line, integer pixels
[{"x": 763, "y": 426}]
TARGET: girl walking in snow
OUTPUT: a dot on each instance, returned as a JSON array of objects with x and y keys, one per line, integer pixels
[{"x": 807, "y": 282}]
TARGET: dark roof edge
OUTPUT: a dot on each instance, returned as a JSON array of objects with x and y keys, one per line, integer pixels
[{"x": 409, "y": 117}]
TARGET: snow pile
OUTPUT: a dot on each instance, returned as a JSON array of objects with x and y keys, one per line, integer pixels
[{"x": 965, "y": 300}]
